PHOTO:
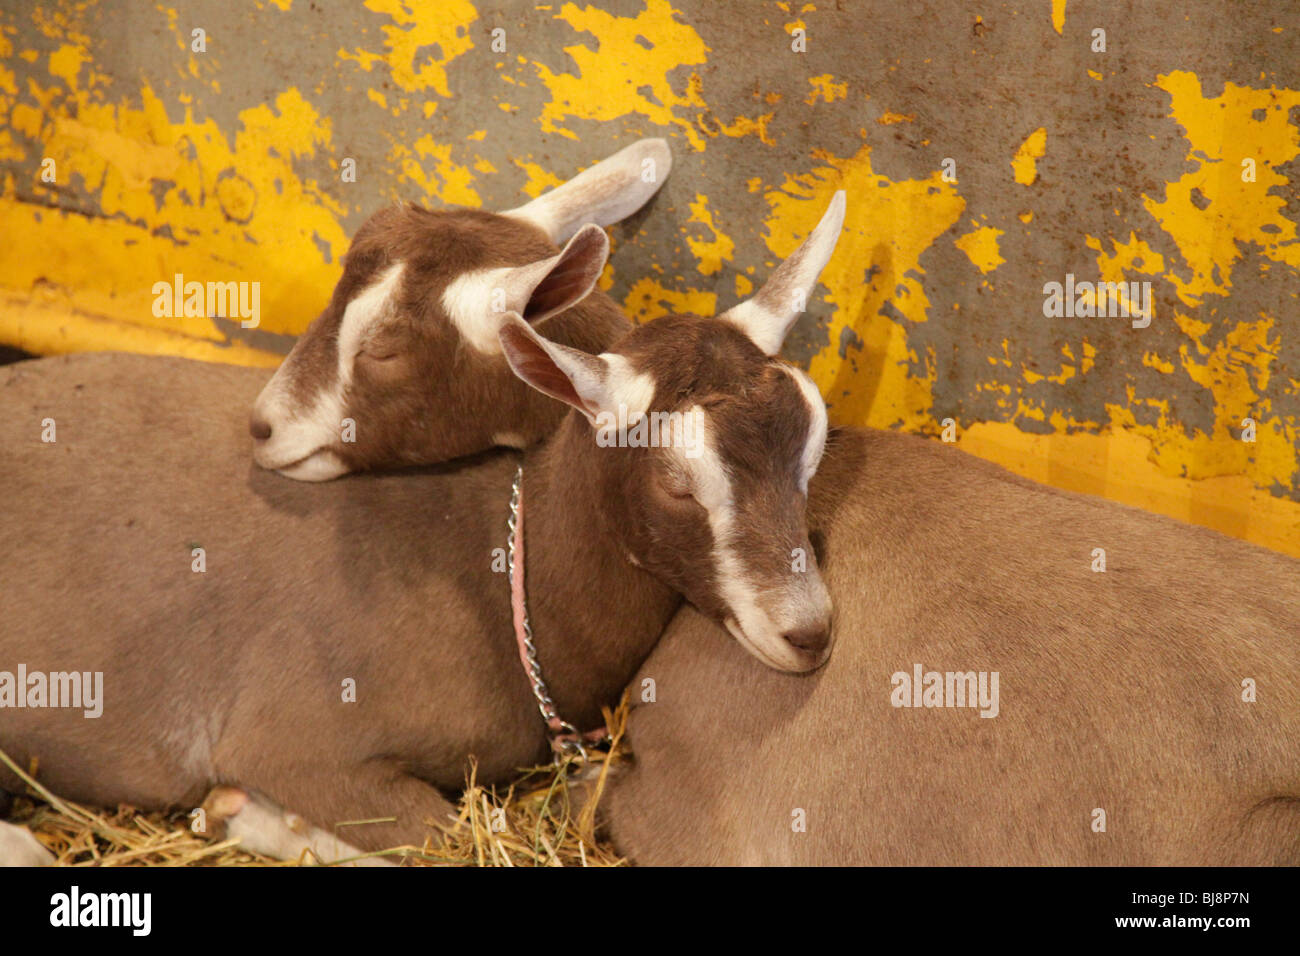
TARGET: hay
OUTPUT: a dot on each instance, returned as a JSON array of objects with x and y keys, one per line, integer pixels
[{"x": 542, "y": 822}]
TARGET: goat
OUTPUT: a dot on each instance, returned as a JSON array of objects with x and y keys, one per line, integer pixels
[
  {"x": 344, "y": 649},
  {"x": 442, "y": 390},
  {"x": 1149, "y": 712},
  {"x": 409, "y": 335}
]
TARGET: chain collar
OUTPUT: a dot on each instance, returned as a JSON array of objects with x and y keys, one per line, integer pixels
[{"x": 565, "y": 738}]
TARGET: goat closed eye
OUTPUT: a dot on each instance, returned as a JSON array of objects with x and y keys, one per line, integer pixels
[{"x": 676, "y": 488}]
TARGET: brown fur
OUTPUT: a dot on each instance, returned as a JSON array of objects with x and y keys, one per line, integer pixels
[
  {"x": 405, "y": 405},
  {"x": 1119, "y": 690},
  {"x": 234, "y": 676}
]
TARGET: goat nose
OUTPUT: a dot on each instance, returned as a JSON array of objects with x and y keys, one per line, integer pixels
[
  {"x": 259, "y": 428},
  {"x": 811, "y": 638}
]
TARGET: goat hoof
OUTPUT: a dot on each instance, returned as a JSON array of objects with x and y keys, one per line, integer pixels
[{"x": 220, "y": 805}]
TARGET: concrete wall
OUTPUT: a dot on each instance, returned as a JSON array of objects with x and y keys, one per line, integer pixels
[{"x": 988, "y": 149}]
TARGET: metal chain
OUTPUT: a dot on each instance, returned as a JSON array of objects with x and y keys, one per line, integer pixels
[{"x": 540, "y": 691}]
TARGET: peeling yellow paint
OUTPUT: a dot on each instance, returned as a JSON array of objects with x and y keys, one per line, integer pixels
[
  {"x": 1058, "y": 16},
  {"x": 411, "y": 36},
  {"x": 888, "y": 225},
  {"x": 1152, "y": 360},
  {"x": 172, "y": 193},
  {"x": 825, "y": 88},
  {"x": 65, "y": 63},
  {"x": 539, "y": 180},
  {"x": 890, "y": 118},
  {"x": 981, "y": 247},
  {"x": 1212, "y": 210},
  {"x": 446, "y": 179},
  {"x": 711, "y": 252},
  {"x": 648, "y": 299},
  {"x": 620, "y": 67},
  {"x": 169, "y": 197},
  {"x": 1024, "y": 165}
]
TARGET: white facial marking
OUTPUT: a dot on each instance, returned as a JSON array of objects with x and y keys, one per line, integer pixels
[
  {"x": 817, "y": 426},
  {"x": 750, "y": 624},
  {"x": 627, "y": 387},
  {"x": 299, "y": 434},
  {"x": 759, "y": 619},
  {"x": 373, "y": 304},
  {"x": 469, "y": 302}
]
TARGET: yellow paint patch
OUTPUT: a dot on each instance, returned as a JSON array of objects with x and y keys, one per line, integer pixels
[
  {"x": 1058, "y": 16},
  {"x": 744, "y": 126},
  {"x": 539, "y": 180},
  {"x": 65, "y": 63},
  {"x": 825, "y": 88},
  {"x": 1151, "y": 360},
  {"x": 414, "y": 32},
  {"x": 1025, "y": 163},
  {"x": 619, "y": 67},
  {"x": 888, "y": 225},
  {"x": 1118, "y": 465},
  {"x": 166, "y": 197},
  {"x": 890, "y": 118},
  {"x": 431, "y": 167},
  {"x": 713, "y": 251},
  {"x": 981, "y": 247},
  {"x": 1211, "y": 210},
  {"x": 647, "y": 299}
]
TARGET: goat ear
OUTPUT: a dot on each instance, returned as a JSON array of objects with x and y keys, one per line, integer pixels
[
  {"x": 476, "y": 302},
  {"x": 767, "y": 316},
  {"x": 567, "y": 278},
  {"x": 574, "y": 377},
  {"x": 605, "y": 193}
]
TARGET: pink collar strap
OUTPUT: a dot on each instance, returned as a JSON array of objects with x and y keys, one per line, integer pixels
[{"x": 565, "y": 738}]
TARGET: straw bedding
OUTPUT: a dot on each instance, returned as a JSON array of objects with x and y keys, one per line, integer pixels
[{"x": 545, "y": 824}]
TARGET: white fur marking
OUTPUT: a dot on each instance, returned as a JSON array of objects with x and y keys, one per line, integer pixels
[
  {"x": 758, "y": 633},
  {"x": 467, "y": 300},
  {"x": 757, "y": 630},
  {"x": 299, "y": 434},
  {"x": 817, "y": 426},
  {"x": 625, "y": 386},
  {"x": 372, "y": 304}
]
